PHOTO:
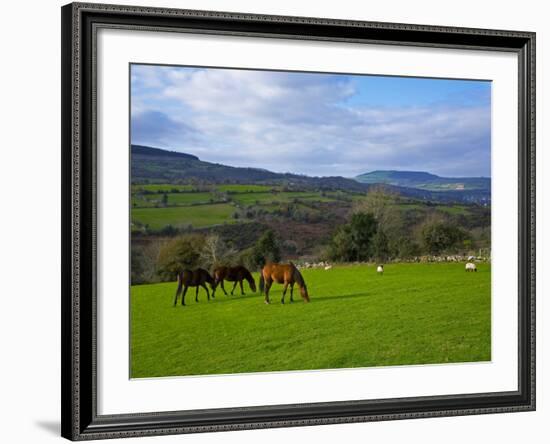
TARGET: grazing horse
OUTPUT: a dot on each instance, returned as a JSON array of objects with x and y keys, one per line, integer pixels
[
  {"x": 234, "y": 274},
  {"x": 286, "y": 274},
  {"x": 196, "y": 278}
]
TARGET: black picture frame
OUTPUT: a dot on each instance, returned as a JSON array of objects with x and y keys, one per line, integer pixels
[{"x": 78, "y": 334}]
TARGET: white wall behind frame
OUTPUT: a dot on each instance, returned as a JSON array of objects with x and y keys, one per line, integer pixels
[{"x": 29, "y": 228}]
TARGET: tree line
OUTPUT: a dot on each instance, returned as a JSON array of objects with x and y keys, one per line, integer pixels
[
  {"x": 378, "y": 229},
  {"x": 157, "y": 263}
]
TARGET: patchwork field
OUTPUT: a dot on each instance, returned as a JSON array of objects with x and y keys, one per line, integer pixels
[
  {"x": 172, "y": 199},
  {"x": 197, "y": 215},
  {"x": 413, "y": 314},
  {"x": 162, "y": 188},
  {"x": 159, "y": 205},
  {"x": 259, "y": 198},
  {"x": 245, "y": 188}
]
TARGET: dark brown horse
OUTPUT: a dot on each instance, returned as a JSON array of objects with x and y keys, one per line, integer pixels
[
  {"x": 286, "y": 274},
  {"x": 234, "y": 274},
  {"x": 196, "y": 278}
]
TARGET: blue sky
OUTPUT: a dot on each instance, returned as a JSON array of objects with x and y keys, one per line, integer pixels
[{"x": 314, "y": 124}]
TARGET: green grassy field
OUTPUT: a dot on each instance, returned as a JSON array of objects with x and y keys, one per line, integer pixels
[
  {"x": 240, "y": 194},
  {"x": 161, "y": 188},
  {"x": 173, "y": 199},
  {"x": 455, "y": 209},
  {"x": 190, "y": 198},
  {"x": 413, "y": 314},
  {"x": 196, "y": 215},
  {"x": 261, "y": 198},
  {"x": 242, "y": 188}
]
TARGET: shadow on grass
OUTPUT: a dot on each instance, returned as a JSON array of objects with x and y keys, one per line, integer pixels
[
  {"x": 275, "y": 298},
  {"x": 314, "y": 299},
  {"x": 217, "y": 299}
]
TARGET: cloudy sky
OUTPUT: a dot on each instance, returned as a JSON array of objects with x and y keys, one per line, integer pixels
[{"x": 314, "y": 124}]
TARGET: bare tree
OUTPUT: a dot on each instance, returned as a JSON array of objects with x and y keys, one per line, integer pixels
[
  {"x": 216, "y": 252},
  {"x": 381, "y": 203}
]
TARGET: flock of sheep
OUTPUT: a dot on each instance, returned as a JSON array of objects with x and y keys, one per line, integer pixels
[{"x": 470, "y": 266}]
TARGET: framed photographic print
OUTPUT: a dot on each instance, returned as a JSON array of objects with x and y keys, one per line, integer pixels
[{"x": 280, "y": 221}]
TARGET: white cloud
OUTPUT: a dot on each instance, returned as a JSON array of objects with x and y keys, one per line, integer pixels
[{"x": 303, "y": 123}]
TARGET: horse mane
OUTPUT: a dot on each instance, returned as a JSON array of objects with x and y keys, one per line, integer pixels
[{"x": 207, "y": 276}]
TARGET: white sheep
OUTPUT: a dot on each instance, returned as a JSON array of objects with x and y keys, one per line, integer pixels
[
  {"x": 380, "y": 269},
  {"x": 470, "y": 266},
  {"x": 328, "y": 267}
]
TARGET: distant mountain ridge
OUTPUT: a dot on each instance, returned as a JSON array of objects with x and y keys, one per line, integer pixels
[
  {"x": 399, "y": 174},
  {"x": 169, "y": 166},
  {"x": 149, "y": 151},
  {"x": 163, "y": 166},
  {"x": 425, "y": 181}
]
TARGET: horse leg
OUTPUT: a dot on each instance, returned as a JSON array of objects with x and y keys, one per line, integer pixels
[
  {"x": 223, "y": 288},
  {"x": 242, "y": 289},
  {"x": 234, "y": 285},
  {"x": 183, "y": 295},
  {"x": 207, "y": 293},
  {"x": 284, "y": 292},
  {"x": 180, "y": 285},
  {"x": 267, "y": 287},
  {"x": 197, "y": 293},
  {"x": 291, "y": 292}
]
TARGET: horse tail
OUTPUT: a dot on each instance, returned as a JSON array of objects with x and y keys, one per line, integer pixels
[
  {"x": 261, "y": 284},
  {"x": 180, "y": 285}
]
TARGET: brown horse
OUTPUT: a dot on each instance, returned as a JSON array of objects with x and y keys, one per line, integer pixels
[
  {"x": 196, "y": 278},
  {"x": 233, "y": 274},
  {"x": 286, "y": 274}
]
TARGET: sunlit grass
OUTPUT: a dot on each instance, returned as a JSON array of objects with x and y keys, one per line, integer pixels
[{"x": 413, "y": 314}]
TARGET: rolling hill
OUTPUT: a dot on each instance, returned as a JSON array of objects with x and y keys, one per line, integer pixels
[
  {"x": 426, "y": 181},
  {"x": 154, "y": 165}
]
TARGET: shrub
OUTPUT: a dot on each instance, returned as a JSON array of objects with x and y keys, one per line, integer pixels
[
  {"x": 380, "y": 247},
  {"x": 290, "y": 246},
  {"x": 406, "y": 248},
  {"x": 265, "y": 250},
  {"x": 353, "y": 241},
  {"x": 439, "y": 236},
  {"x": 144, "y": 263},
  {"x": 168, "y": 230},
  {"x": 178, "y": 254},
  {"x": 137, "y": 265}
]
